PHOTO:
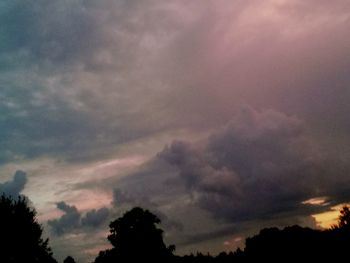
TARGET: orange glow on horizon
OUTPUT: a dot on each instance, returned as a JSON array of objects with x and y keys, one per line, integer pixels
[{"x": 328, "y": 219}]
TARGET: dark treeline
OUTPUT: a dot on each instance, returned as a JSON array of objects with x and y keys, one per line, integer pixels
[
  {"x": 136, "y": 237},
  {"x": 20, "y": 234}
]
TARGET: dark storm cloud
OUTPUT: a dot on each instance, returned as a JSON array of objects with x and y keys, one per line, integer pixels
[
  {"x": 48, "y": 31},
  {"x": 40, "y": 41},
  {"x": 31, "y": 129},
  {"x": 256, "y": 171},
  {"x": 78, "y": 68},
  {"x": 260, "y": 166},
  {"x": 71, "y": 76},
  {"x": 80, "y": 79},
  {"x": 15, "y": 186},
  {"x": 103, "y": 36}
]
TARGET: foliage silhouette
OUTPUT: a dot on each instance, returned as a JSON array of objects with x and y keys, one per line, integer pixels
[
  {"x": 69, "y": 259},
  {"x": 135, "y": 236},
  {"x": 20, "y": 234},
  {"x": 344, "y": 217}
]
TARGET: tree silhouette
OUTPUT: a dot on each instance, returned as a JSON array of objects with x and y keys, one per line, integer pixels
[
  {"x": 20, "y": 233},
  {"x": 344, "y": 217},
  {"x": 69, "y": 259},
  {"x": 136, "y": 236}
]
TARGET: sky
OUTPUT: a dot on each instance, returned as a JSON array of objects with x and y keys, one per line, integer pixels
[{"x": 221, "y": 117}]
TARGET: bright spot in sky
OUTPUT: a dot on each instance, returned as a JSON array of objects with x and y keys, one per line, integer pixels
[{"x": 315, "y": 201}]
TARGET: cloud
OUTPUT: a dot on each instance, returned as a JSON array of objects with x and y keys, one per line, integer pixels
[
  {"x": 258, "y": 166},
  {"x": 210, "y": 235},
  {"x": 15, "y": 186},
  {"x": 77, "y": 68},
  {"x": 73, "y": 220},
  {"x": 256, "y": 171},
  {"x": 88, "y": 81},
  {"x": 123, "y": 200},
  {"x": 95, "y": 218},
  {"x": 60, "y": 62},
  {"x": 69, "y": 221},
  {"x": 262, "y": 165}
]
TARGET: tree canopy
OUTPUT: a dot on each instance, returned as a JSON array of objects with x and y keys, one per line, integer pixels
[
  {"x": 134, "y": 236},
  {"x": 344, "y": 217},
  {"x": 20, "y": 233},
  {"x": 69, "y": 259}
]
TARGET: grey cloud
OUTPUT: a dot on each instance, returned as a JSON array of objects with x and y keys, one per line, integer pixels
[
  {"x": 46, "y": 31},
  {"x": 244, "y": 229},
  {"x": 66, "y": 208},
  {"x": 262, "y": 165},
  {"x": 78, "y": 68},
  {"x": 67, "y": 222},
  {"x": 15, "y": 186},
  {"x": 210, "y": 235},
  {"x": 80, "y": 78},
  {"x": 74, "y": 220},
  {"x": 95, "y": 218},
  {"x": 253, "y": 172},
  {"x": 121, "y": 198},
  {"x": 258, "y": 166},
  {"x": 73, "y": 68},
  {"x": 125, "y": 200},
  {"x": 168, "y": 223},
  {"x": 60, "y": 34},
  {"x": 36, "y": 122},
  {"x": 241, "y": 54}
]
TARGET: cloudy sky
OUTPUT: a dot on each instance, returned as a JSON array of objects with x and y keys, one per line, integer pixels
[{"x": 221, "y": 116}]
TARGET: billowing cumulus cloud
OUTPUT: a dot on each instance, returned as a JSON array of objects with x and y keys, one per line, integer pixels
[
  {"x": 68, "y": 221},
  {"x": 15, "y": 186},
  {"x": 73, "y": 220},
  {"x": 257, "y": 166},
  {"x": 256, "y": 170}
]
